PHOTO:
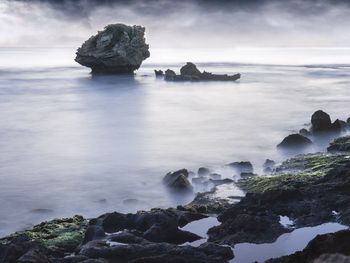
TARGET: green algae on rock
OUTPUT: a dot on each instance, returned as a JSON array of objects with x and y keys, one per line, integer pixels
[{"x": 66, "y": 233}]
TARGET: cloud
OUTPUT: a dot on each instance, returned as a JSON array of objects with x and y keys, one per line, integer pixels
[{"x": 181, "y": 24}]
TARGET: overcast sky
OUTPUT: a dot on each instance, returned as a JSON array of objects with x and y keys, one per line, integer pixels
[{"x": 171, "y": 24}]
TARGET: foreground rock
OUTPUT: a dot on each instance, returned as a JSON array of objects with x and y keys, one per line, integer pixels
[
  {"x": 117, "y": 49},
  {"x": 295, "y": 141},
  {"x": 189, "y": 72},
  {"x": 307, "y": 189},
  {"x": 323, "y": 248},
  {"x": 146, "y": 236}
]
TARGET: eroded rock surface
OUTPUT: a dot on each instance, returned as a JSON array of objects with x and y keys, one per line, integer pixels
[{"x": 116, "y": 49}]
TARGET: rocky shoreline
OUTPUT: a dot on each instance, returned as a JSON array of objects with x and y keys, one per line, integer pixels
[{"x": 310, "y": 189}]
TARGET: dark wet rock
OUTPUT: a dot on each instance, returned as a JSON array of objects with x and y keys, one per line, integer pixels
[
  {"x": 203, "y": 171},
  {"x": 333, "y": 243},
  {"x": 170, "y": 75},
  {"x": 34, "y": 256},
  {"x": 295, "y": 141},
  {"x": 215, "y": 176},
  {"x": 93, "y": 233},
  {"x": 242, "y": 167},
  {"x": 339, "y": 125},
  {"x": 321, "y": 122},
  {"x": 117, "y": 49},
  {"x": 144, "y": 220},
  {"x": 208, "y": 204},
  {"x": 178, "y": 180},
  {"x": 340, "y": 144},
  {"x": 158, "y": 73},
  {"x": 305, "y": 132},
  {"x": 189, "y": 72},
  {"x": 190, "y": 69},
  {"x": 169, "y": 233},
  {"x": 157, "y": 252},
  {"x": 307, "y": 197},
  {"x": 269, "y": 165}
]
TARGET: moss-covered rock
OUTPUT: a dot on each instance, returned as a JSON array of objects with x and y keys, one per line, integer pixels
[
  {"x": 58, "y": 234},
  {"x": 295, "y": 172}
]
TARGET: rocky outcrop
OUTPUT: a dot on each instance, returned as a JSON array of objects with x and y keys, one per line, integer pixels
[
  {"x": 321, "y": 122},
  {"x": 341, "y": 144},
  {"x": 295, "y": 141},
  {"x": 117, "y": 49},
  {"x": 178, "y": 180},
  {"x": 158, "y": 73},
  {"x": 189, "y": 72},
  {"x": 307, "y": 197}
]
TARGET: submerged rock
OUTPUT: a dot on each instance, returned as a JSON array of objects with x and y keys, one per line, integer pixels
[
  {"x": 178, "y": 180},
  {"x": 117, "y": 49},
  {"x": 269, "y": 165},
  {"x": 295, "y": 141},
  {"x": 189, "y": 72},
  {"x": 305, "y": 132},
  {"x": 242, "y": 167},
  {"x": 203, "y": 171}
]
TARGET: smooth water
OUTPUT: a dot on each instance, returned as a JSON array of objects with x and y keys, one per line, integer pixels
[
  {"x": 71, "y": 143},
  {"x": 286, "y": 244}
]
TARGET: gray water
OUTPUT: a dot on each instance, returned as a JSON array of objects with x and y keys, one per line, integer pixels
[{"x": 71, "y": 143}]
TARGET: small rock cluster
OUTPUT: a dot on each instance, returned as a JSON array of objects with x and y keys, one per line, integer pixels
[
  {"x": 321, "y": 125},
  {"x": 190, "y": 72}
]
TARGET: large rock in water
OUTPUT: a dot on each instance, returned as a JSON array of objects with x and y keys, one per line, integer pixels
[
  {"x": 294, "y": 141},
  {"x": 117, "y": 49}
]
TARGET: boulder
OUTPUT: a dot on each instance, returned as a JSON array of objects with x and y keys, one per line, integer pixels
[
  {"x": 294, "y": 141},
  {"x": 190, "y": 69},
  {"x": 116, "y": 49},
  {"x": 321, "y": 122},
  {"x": 170, "y": 75},
  {"x": 177, "y": 180},
  {"x": 242, "y": 167}
]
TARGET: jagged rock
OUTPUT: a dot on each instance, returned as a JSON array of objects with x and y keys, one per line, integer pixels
[
  {"x": 321, "y": 122},
  {"x": 340, "y": 144},
  {"x": 189, "y": 72},
  {"x": 159, "y": 73},
  {"x": 294, "y": 141},
  {"x": 117, "y": 49},
  {"x": 190, "y": 69},
  {"x": 242, "y": 167}
]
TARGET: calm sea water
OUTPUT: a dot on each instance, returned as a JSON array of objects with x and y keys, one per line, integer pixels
[{"x": 71, "y": 143}]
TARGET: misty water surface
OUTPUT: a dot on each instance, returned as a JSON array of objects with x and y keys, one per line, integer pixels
[{"x": 71, "y": 143}]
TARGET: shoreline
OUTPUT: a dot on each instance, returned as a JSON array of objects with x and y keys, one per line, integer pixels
[{"x": 294, "y": 189}]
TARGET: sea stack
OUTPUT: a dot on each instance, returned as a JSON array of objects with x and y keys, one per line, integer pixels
[{"x": 115, "y": 50}]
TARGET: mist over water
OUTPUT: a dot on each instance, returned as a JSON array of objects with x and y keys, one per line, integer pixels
[{"x": 72, "y": 143}]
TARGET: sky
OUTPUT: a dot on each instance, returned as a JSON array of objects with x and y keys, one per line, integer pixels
[{"x": 180, "y": 24}]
